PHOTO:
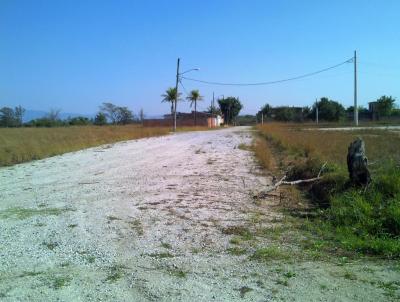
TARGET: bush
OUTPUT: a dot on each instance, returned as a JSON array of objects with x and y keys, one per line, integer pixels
[
  {"x": 322, "y": 190},
  {"x": 79, "y": 121},
  {"x": 369, "y": 220}
]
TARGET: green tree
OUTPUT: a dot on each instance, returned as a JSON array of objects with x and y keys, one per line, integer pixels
[
  {"x": 194, "y": 96},
  {"x": 284, "y": 114},
  {"x": 329, "y": 110},
  {"x": 53, "y": 115},
  {"x": 123, "y": 116},
  {"x": 265, "y": 110},
  {"x": 230, "y": 108},
  {"x": 19, "y": 114},
  {"x": 141, "y": 116},
  {"x": 170, "y": 97},
  {"x": 7, "y": 117},
  {"x": 385, "y": 105},
  {"x": 100, "y": 119},
  {"x": 212, "y": 109},
  {"x": 110, "y": 111}
]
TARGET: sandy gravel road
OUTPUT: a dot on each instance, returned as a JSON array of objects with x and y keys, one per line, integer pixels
[{"x": 144, "y": 221}]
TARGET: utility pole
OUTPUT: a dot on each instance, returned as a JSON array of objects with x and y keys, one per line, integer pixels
[
  {"x": 262, "y": 118},
  {"x": 316, "y": 110},
  {"x": 355, "y": 89},
  {"x": 176, "y": 88},
  {"x": 212, "y": 104}
]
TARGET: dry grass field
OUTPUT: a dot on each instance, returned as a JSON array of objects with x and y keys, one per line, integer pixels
[
  {"x": 19, "y": 145},
  {"x": 331, "y": 146},
  {"x": 365, "y": 220},
  {"x": 24, "y": 144}
]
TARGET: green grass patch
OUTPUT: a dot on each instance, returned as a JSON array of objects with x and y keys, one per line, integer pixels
[
  {"x": 162, "y": 255},
  {"x": 25, "y": 213},
  {"x": 238, "y": 230},
  {"x": 29, "y": 274},
  {"x": 113, "y": 218},
  {"x": 235, "y": 240},
  {"x": 166, "y": 245},
  {"x": 50, "y": 245},
  {"x": 244, "y": 290},
  {"x": 116, "y": 272},
  {"x": 60, "y": 282},
  {"x": 270, "y": 253},
  {"x": 245, "y": 147},
  {"x": 236, "y": 251},
  {"x": 178, "y": 273},
  {"x": 137, "y": 226}
]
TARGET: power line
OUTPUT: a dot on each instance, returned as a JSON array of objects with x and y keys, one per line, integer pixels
[
  {"x": 271, "y": 82},
  {"x": 184, "y": 89}
]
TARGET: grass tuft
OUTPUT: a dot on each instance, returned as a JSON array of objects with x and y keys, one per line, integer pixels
[
  {"x": 236, "y": 251},
  {"x": 270, "y": 253},
  {"x": 61, "y": 281},
  {"x": 161, "y": 255},
  {"x": 25, "y": 213}
]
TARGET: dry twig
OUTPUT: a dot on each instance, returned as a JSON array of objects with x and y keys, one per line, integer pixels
[{"x": 291, "y": 183}]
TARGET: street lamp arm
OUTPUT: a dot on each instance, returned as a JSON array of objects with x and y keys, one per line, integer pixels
[{"x": 196, "y": 69}]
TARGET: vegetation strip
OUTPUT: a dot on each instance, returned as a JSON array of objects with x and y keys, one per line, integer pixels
[{"x": 358, "y": 219}]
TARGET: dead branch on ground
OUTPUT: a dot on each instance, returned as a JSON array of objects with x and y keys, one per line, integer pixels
[{"x": 282, "y": 181}]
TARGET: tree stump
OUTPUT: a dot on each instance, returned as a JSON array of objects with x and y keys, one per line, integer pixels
[{"x": 357, "y": 163}]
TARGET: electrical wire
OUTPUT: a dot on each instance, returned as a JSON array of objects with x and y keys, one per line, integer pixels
[
  {"x": 270, "y": 82},
  {"x": 184, "y": 89}
]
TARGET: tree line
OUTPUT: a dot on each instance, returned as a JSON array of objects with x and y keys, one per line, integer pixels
[
  {"x": 329, "y": 110},
  {"x": 229, "y": 107},
  {"x": 108, "y": 114}
]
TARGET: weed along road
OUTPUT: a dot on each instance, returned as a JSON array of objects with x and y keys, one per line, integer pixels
[{"x": 170, "y": 218}]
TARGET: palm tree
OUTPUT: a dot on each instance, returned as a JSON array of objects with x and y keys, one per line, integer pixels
[
  {"x": 194, "y": 96},
  {"x": 170, "y": 97}
]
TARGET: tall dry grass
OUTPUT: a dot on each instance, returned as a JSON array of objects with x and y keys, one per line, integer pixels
[
  {"x": 264, "y": 154},
  {"x": 331, "y": 146},
  {"x": 24, "y": 144}
]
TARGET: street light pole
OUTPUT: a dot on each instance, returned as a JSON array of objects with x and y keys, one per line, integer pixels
[
  {"x": 178, "y": 74},
  {"x": 355, "y": 90},
  {"x": 176, "y": 90}
]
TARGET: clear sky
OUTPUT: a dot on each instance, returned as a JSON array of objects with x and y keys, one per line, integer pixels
[{"x": 74, "y": 55}]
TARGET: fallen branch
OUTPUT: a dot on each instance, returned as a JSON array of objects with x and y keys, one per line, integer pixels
[{"x": 291, "y": 183}]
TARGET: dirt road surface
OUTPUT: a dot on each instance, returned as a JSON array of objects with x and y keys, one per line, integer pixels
[{"x": 149, "y": 220}]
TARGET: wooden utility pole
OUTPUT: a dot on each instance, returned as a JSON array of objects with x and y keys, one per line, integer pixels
[
  {"x": 176, "y": 90},
  {"x": 262, "y": 118},
  {"x": 316, "y": 111},
  {"x": 355, "y": 89}
]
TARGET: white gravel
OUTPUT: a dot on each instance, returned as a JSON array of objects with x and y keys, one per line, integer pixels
[{"x": 142, "y": 221}]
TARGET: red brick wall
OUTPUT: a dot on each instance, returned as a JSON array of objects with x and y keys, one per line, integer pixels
[{"x": 180, "y": 122}]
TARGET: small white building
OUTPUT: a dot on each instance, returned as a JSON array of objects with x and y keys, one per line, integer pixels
[{"x": 215, "y": 121}]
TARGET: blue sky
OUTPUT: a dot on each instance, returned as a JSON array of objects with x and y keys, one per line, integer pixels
[{"x": 74, "y": 55}]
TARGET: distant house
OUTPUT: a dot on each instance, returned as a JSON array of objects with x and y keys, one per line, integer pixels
[{"x": 184, "y": 119}]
